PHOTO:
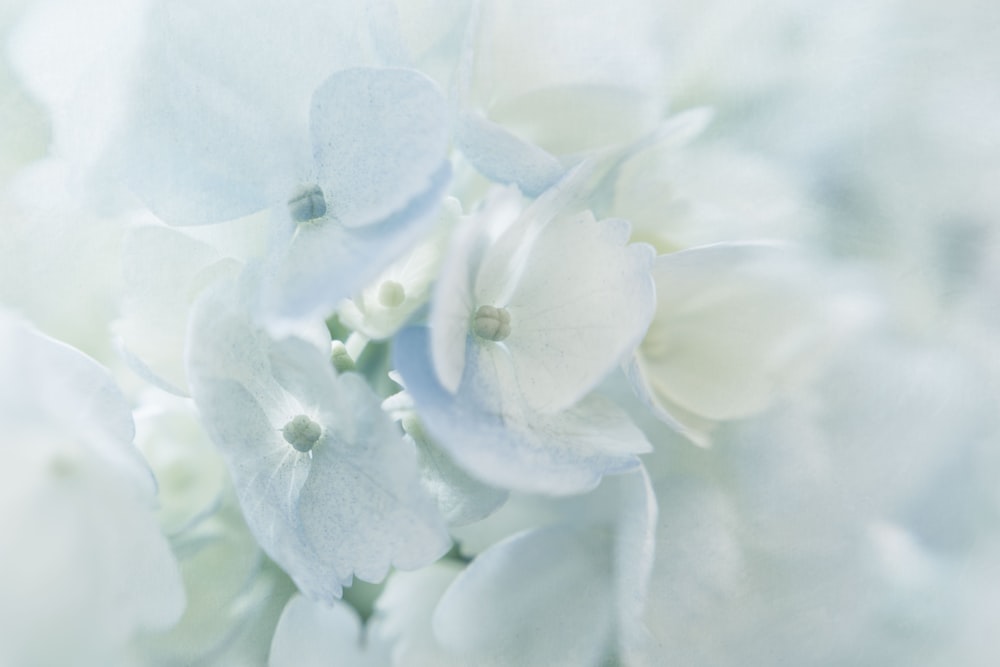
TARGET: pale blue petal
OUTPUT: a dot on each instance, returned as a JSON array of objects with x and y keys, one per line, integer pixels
[
  {"x": 505, "y": 445},
  {"x": 505, "y": 158},
  {"x": 461, "y": 498},
  {"x": 363, "y": 508},
  {"x": 379, "y": 138},
  {"x": 321, "y": 262},
  {"x": 217, "y": 125},
  {"x": 351, "y": 505}
]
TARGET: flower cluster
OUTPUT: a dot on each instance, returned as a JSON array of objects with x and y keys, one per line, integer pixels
[{"x": 496, "y": 332}]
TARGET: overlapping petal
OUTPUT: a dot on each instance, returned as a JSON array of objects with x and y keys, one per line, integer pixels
[
  {"x": 346, "y": 503},
  {"x": 493, "y": 434}
]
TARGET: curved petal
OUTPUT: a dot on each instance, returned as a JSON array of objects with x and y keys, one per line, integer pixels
[
  {"x": 312, "y": 634},
  {"x": 538, "y": 598},
  {"x": 82, "y": 549},
  {"x": 505, "y": 158},
  {"x": 217, "y": 125},
  {"x": 351, "y": 503},
  {"x": 583, "y": 302},
  {"x": 363, "y": 508},
  {"x": 454, "y": 301},
  {"x": 404, "y": 611},
  {"x": 505, "y": 444},
  {"x": 461, "y": 498},
  {"x": 379, "y": 138},
  {"x": 319, "y": 263},
  {"x": 733, "y": 323}
]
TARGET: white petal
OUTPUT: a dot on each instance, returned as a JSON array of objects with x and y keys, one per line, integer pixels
[
  {"x": 583, "y": 303},
  {"x": 454, "y": 303},
  {"x": 379, "y": 138},
  {"x": 159, "y": 267},
  {"x": 404, "y": 611},
  {"x": 312, "y": 634},
  {"x": 82, "y": 549},
  {"x": 732, "y": 326},
  {"x": 538, "y": 598}
]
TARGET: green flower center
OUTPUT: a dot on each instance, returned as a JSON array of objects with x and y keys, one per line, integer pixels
[
  {"x": 302, "y": 433},
  {"x": 491, "y": 323}
]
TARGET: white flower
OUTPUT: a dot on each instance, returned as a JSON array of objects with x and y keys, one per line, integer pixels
[
  {"x": 530, "y": 313},
  {"x": 82, "y": 552},
  {"x": 736, "y": 326}
]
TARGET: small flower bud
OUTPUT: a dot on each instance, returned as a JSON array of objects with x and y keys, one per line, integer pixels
[
  {"x": 341, "y": 359},
  {"x": 391, "y": 294}
]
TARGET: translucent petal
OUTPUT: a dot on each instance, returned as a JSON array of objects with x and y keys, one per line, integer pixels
[
  {"x": 312, "y": 634},
  {"x": 733, "y": 325},
  {"x": 319, "y": 263},
  {"x": 538, "y": 598},
  {"x": 218, "y": 121},
  {"x": 160, "y": 266},
  {"x": 461, "y": 498},
  {"x": 583, "y": 302},
  {"x": 82, "y": 549},
  {"x": 379, "y": 138},
  {"x": 363, "y": 508},
  {"x": 350, "y": 504},
  {"x": 505, "y": 158},
  {"x": 411, "y": 278},
  {"x": 496, "y": 438},
  {"x": 454, "y": 302},
  {"x": 404, "y": 612}
]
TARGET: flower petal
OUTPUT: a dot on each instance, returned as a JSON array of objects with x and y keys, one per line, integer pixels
[
  {"x": 350, "y": 504},
  {"x": 582, "y": 303},
  {"x": 538, "y": 598},
  {"x": 732, "y": 324},
  {"x": 319, "y": 263},
  {"x": 379, "y": 138},
  {"x": 505, "y": 444}
]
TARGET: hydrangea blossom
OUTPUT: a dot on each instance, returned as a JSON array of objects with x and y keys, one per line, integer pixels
[
  {"x": 430, "y": 397},
  {"x": 530, "y": 313},
  {"x": 327, "y": 486}
]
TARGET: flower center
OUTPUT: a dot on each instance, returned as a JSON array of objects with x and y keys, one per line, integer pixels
[
  {"x": 491, "y": 323},
  {"x": 391, "y": 294},
  {"x": 302, "y": 433},
  {"x": 308, "y": 203}
]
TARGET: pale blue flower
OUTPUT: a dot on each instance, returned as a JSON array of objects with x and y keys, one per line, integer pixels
[{"x": 327, "y": 485}]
